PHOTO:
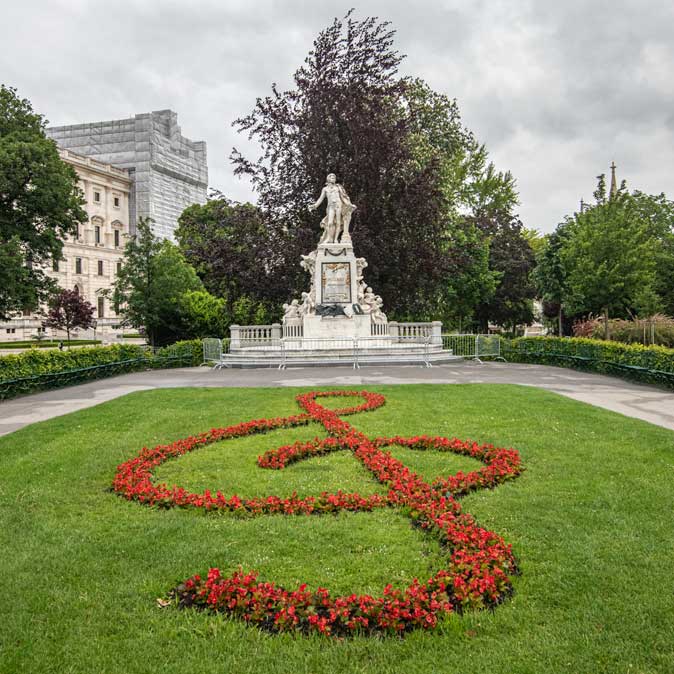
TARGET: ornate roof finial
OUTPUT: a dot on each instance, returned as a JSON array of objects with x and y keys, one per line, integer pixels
[{"x": 614, "y": 185}]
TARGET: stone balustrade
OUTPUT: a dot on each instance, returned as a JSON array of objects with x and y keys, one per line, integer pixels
[
  {"x": 254, "y": 335},
  {"x": 260, "y": 335},
  {"x": 379, "y": 329},
  {"x": 403, "y": 332},
  {"x": 293, "y": 328}
]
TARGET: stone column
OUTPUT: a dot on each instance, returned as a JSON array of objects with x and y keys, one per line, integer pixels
[
  {"x": 436, "y": 333},
  {"x": 276, "y": 333},
  {"x": 393, "y": 330},
  {"x": 235, "y": 337}
]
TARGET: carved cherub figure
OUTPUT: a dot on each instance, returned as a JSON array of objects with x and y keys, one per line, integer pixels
[
  {"x": 308, "y": 305},
  {"x": 309, "y": 262},
  {"x": 291, "y": 310}
]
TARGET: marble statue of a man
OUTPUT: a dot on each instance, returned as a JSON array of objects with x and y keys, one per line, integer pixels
[{"x": 339, "y": 210}]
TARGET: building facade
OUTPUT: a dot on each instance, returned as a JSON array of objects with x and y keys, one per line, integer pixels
[
  {"x": 93, "y": 256},
  {"x": 168, "y": 171}
]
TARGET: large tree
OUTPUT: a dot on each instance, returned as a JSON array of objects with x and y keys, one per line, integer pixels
[
  {"x": 400, "y": 151},
  {"x": 512, "y": 258},
  {"x": 231, "y": 249},
  {"x": 550, "y": 276},
  {"x": 150, "y": 286},
  {"x": 610, "y": 256},
  {"x": 40, "y": 203},
  {"x": 656, "y": 214}
]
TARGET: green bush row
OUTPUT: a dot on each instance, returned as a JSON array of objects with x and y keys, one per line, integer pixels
[
  {"x": 37, "y": 370},
  {"x": 650, "y": 364}
]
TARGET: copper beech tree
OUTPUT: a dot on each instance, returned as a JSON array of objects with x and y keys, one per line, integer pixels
[
  {"x": 69, "y": 311},
  {"x": 399, "y": 149}
]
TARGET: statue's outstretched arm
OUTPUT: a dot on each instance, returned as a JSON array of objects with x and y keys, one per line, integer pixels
[{"x": 320, "y": 200}]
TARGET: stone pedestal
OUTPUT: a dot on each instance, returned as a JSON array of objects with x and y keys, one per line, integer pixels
[
  {"x": 336, "y": 274},
  {"x": 336, "y": 327}
]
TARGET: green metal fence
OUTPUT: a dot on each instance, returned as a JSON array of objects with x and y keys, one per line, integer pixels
[{"x": 587, "y": 356}]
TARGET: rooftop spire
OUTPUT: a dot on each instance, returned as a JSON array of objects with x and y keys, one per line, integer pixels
[{"x": 614, "y": 185}]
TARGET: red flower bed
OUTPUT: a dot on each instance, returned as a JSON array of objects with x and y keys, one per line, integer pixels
[{"x": 479, "y": 567}]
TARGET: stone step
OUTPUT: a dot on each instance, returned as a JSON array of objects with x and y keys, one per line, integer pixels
[{"x": 322, "y": 357}]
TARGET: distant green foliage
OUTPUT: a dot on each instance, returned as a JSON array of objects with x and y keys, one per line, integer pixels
[
  {"x": 512, "y": 261},
  {"x": 652, "y": 364},
  {"x": 204, "y": 314},
  {"x": 615, "y": 258},
  {"x": 609, "y": 256}
]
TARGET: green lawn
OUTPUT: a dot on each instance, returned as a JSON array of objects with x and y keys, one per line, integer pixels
[{"x": 590, "y": 521}]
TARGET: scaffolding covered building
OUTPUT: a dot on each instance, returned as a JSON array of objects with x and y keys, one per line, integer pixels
[{"x": 168, "y": 171}]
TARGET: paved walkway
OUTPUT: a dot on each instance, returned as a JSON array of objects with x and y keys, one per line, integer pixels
[{"x": 643, "y": 402}]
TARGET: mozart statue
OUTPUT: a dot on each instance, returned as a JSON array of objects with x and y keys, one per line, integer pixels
[{"x": 335, "y": 224}]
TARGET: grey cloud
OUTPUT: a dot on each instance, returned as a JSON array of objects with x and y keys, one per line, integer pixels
[{"x": 555, "y": 90}]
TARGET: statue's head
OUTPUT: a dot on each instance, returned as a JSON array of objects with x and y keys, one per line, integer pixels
[
  {"x": 294, "y": 303},
  {"x": 331, "y": 179}
]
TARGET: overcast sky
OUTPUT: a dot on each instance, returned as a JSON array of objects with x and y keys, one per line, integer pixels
[{"x": 555, "y": 90}]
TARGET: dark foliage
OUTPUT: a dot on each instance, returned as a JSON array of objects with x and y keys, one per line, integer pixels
[
  {"x": 69, "y": 311},
  {"x": 231, "y": 249},
  {"x": 511, "y": 256},
  {"x": 348, "y": 115}
]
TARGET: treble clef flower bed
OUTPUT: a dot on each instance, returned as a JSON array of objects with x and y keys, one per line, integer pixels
[{"x": 480, "y": 564}]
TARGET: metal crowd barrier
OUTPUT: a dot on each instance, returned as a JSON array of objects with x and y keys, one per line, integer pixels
[
  {"x": 474, "y": 347},
  {"x": 355, "y": 351},
  {"x": 320, "y": 351}
]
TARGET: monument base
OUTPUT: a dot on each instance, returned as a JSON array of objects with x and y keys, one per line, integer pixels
[{"x": 337, "y": 327}]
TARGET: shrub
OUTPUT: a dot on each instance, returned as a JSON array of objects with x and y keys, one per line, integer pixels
[
  {"x": 190, "y": 352},
  {"x": 657, "y": 329},
  {"x": 36, "y": 370},
  {"x": 651, "y": 364}
]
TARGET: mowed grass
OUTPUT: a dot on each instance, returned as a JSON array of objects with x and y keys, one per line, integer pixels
[{"x": 590, "y": 522}]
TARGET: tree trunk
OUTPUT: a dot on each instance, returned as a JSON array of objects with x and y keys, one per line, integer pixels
[
  {"x": 607, "y": 332},
  {"x": 68, "y": 335},
  {"x": 559, "y": 322}
]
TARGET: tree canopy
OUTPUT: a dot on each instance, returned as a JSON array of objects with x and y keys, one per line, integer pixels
[
  {"x": 230, "y": 248},
  {"x": 40, "y": 203},
  {"x": 150, "y": 286},
  {"x": 512, "y": 259},
  {"x": 615, "y": 258},
  {"x": 68, "y": 311},
  {"x": 400, "y": 149}
]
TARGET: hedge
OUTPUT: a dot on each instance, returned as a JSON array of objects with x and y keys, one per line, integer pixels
[
  {"x": 47, "y": 344},
  {"x": 37, "y": 370},
  {"x": 648, "y": 364}
]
